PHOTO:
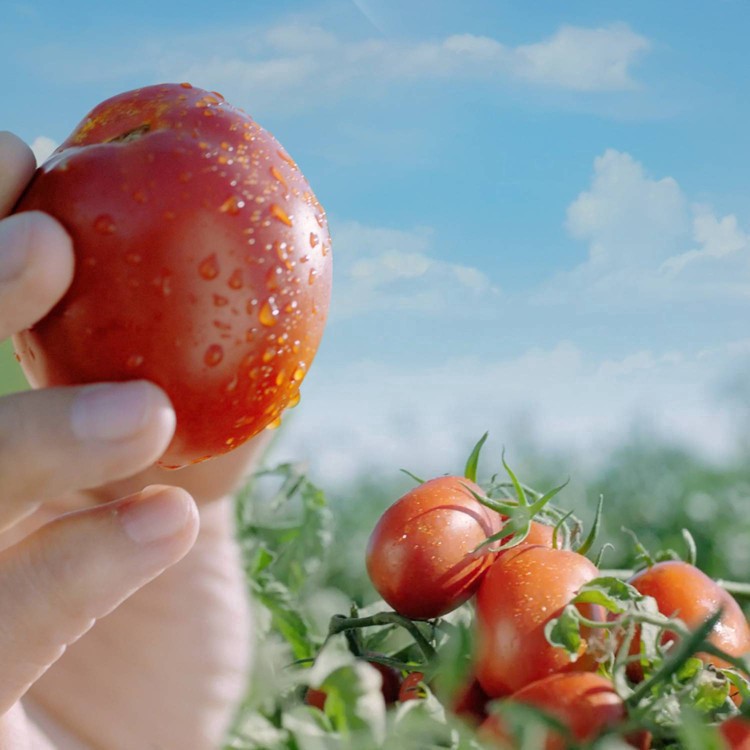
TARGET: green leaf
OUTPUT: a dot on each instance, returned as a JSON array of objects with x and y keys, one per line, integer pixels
[
  {"x": 470, "y": 472},
  {"x": 565, "y": 631},
  {"x": 614, "y": 594}
]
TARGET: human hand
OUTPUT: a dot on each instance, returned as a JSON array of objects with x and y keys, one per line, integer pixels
[{"x": 167, "y": 666}]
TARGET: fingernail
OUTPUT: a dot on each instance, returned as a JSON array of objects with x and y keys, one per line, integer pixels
[
  {"x": 13, "y": 246},
  {"x": 156, "y": 516},
  {"x": 111, "y": 411}
]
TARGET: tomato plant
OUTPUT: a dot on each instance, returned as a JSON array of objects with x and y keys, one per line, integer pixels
[
  {"x": 683, "y": 591},
  {"x": 203, "y": 264},
  {"x": 584, "y": 703},
  {"x": 523, "y": 590},
  {"x": 421, "y": 554}
]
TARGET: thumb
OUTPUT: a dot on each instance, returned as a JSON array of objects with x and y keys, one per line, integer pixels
[{"x": 58, "y": 581}]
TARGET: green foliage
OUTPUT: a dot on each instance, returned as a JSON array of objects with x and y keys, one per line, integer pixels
[{"x": 319, "y": 617}]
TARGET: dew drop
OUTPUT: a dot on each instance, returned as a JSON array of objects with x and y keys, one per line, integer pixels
[
  {"x": 272, "y": 278},
  {"x": 268, "y": 355},
  {"x": 313, "y": 239},
  {"x": 278, "y": 176},
  {"x": 268, "y": 314},
  {"x": 288, "y": 159},
  {"x": 236, "y": 280},
  {"x": 214, "y": 354},
  {"x": 186, "y": 85},
  {"x": 232, "y": 205},
  {"x": 104, "y": 224},
  {"x": 299, "y": 373},
  {"x": 294, "y": 400},
  {"x": 311, "y": 277},
  {"x": 220, "y": 300},
  {"x": 280, "y": 377},
  {"x": 139, "y": 196},
  {"x": 134, "y": 360},
  {"x": 209, "y": 267},
  {"x": 275, "y": 424},
  {"x": 279, "y": 214}
]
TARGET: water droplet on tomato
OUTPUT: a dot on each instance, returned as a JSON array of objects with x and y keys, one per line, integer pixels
[
  {"x": 140, "y": 196},
  {"x": 220, "y": 300},
  {"x": 299, "y": 373},
  {"x": 236, "y": 280},
  {"x": 104, "y": 224},
  {"x": 279, "y": 214},
  {"x": 288, "y": 159},
  {"x": 311, "y": 277},
  {"x": 232, "y": 205},
  {"x": 280, "y": 377},
  {"x": 268, "y": 355},
  {"x": 268, "y": 314},
  {"x": 272, "y": 278},
  {"x": 133, "y": 361},
  {"x": 209, "y": 267},
  {"x": 294, "y": 400},
  {"x": 275, "y": 424},
  {"x": 213, "y": 355},
  {"x": 313, "y": 239},
  {"x": 278, "y": 176},
  {"x": 186, "y": 85}
]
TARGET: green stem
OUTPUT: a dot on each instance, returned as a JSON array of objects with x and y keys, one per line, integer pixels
[{"x": 340, "y": 624}]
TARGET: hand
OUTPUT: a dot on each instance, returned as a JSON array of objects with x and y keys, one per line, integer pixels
[{"x": 167, "y": 666}]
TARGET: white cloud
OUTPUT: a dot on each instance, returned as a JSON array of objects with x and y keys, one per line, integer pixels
[
  {"x": 43, "y": 148},
  {"x": 639, "y": 230},
  {"x": 583, "y": 59},
  {"x": 290, "y": 66},
  {"x": 717, "y": 238},
  {"x": 370, "y": 415},
  {"x": 381, "y": 269}
]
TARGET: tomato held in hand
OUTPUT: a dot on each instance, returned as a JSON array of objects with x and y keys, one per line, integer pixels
[
  {"x": 585, "y": 703},
  {"x": 203, "y": 264},
  {"x": 681, "y": 590},
  {"x": 420, "y": 556},
  {"x": 523, "y": 590}
]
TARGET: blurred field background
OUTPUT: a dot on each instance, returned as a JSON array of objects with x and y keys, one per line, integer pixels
[{"x": 649, "y": 486}]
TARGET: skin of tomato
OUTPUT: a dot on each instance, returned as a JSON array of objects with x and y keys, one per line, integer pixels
[
  {"x": 584, "y": 702},
  {"x": 420, "y": 554},
  {"x": 203, "y": 264},
  {"x": 684, "y": 591},
  {"x": 736, "y": 733},
  {"x": 525, "y": 588}
]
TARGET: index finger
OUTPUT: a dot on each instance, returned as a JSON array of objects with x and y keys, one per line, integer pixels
[{"x": 17, "y": 165}]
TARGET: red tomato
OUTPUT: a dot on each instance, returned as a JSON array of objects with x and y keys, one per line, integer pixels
[
  {"x": 470, "y": 703},
  {"x": 390, "y": 687},
  {"x": 584, "y": 702},
  {"x": 682, "y": 590},
  {"x": 411, "y": 688},
  {"x": 203, "y": 264},
  {"x": 525, "y": 588},
  {"x": 736, "y": 733},
  {"x": 420, "y": 555}
]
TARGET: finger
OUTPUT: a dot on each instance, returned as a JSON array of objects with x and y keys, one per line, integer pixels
[
  {"x": 57, "y": 440},
  {"x": 17, "y": 165},
  {"x": 36, "y": 267},
  {"x": 56, "y": 583}
]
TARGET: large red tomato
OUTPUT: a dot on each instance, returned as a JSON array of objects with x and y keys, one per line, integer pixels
[
  {"x": 203, "y": 264},
  {"x": 420, "y": 556},
  {"x": 682, "y": 590},
  {"x": 523, "y": 590},
  {"x": 585, "y": 703}
]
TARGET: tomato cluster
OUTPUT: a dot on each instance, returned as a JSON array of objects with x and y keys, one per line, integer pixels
[{"x": 446, "y": 543}]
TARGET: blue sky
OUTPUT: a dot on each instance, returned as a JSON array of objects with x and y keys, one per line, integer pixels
[{"x": 540, "y": 211}]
